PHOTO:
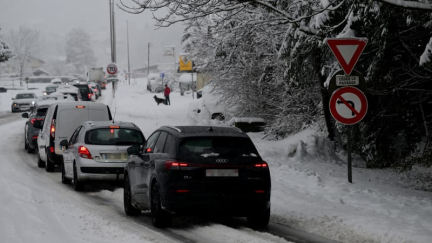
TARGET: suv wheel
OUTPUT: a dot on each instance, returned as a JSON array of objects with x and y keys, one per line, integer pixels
[
  {"x": 77, "y": 185},
  {"x": 49, "y": 166},
  {"x": 127, "y": 199},
  {"x": 65, "y": 180},
  {"x": 259, "y": 219},
  {"x": 160, "y": 218},
  {"x": 41, "y": 164}
]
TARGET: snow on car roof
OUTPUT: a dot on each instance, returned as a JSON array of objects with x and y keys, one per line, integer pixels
[
  {"x": 245, "y": 119},
  {"x": 50, "y": 102}
]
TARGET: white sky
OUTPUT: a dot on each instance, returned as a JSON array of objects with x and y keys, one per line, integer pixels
[
  {"x": 63, "y": 15},
  {"x": 56, "y": 18}
]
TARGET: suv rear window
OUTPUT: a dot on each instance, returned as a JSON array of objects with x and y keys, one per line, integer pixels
[
  {"x": 50, "y": 89},
  {"x": 84, "y": 89},
  {"x": 217, "y": 147},
  {"x": 41, "y": 111},
  {"x": 117, "y": 136}
]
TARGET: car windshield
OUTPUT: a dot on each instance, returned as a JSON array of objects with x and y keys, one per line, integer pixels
[
  {"x": 24, "y": 96},
  {"x": 217, "y": 147},
  {"x": 50, "y": 89},
  {"x": 114, "y": 136}
]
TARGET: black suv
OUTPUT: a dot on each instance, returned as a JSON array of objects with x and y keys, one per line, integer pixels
[
  {"x": 196, "y": 170},
  {"x": 86, "y": 92}
]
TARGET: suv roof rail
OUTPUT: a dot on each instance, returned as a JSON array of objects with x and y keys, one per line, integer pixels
[{"x": 174, "y": 128}]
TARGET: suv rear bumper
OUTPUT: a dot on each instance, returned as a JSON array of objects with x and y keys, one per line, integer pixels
[{"x": 217, "y": 204}]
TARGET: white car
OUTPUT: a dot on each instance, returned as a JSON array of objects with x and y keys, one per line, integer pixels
[
  {"x": 97, "y": 151},
  {"x": 60, "y": 122},
  {"x": 209, "y": 106},
  {"x": 23, "y": 102},
  {"x": 58, "y": 96},
  {"x": 70, "y": 90},
  {"x": 56, "y": 81}
]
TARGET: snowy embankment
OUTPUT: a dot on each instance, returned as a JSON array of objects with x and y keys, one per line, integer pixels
[{"x": 309, "y": 182}]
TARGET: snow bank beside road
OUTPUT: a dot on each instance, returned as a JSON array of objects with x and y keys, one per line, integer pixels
[{"x": 311, "y": 192}]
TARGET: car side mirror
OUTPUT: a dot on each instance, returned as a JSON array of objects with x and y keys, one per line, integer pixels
[
  {"x": 25, "y": 115},
  {"x": 64, "y": 143},
  {"x": 12, "y": 98},
  {"x": 38, "y": 124},
  {"x": 134, "y": 150}
]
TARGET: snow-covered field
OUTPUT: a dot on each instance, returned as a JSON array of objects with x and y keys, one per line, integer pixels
[{"x": 310, "y": 191}]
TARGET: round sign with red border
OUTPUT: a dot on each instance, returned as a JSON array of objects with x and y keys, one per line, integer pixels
[
  {"x": 348, "y": 105},
  {"x": 112, "y": 68}
]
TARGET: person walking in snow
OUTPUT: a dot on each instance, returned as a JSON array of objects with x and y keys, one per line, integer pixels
[{"x": 167, "y": 92}]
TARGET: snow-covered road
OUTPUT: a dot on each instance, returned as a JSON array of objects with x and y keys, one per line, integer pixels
[
  {"x": 37, "y": 207},
  {"x": 310, "y": 191}
]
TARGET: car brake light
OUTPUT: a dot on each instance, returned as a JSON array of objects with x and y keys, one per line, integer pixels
[
  {"x": 259, "y": 191},
  {"x": 261, "y": 165},
  {"x": 114, "y": 126},
  {"x": 174, "y": 164},
  {"x": 80, "y": 106},
  {"x": 52, "y": 129},
  {"x": 95, "y": 90},
  {"x": 148, "y": 150},
  {"x": 182, "y": 191},
  {"x": 89, "y": 96},
  {"x": 84, "y": 152},
  {"x": 52, "y": 149},
  {"x": 35, "y": 137}
]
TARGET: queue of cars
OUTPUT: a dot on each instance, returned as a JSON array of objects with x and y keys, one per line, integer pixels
[{"x": 177, "y": 170}]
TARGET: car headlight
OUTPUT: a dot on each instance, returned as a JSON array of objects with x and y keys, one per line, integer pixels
[
  {"x": 45, "y": 93},
  {"x": 14, "y": 104},
  {"x": 33, "y": 102}
]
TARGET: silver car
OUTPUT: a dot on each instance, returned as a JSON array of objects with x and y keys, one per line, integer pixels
[
  {"x": 97, "y": 151},
  {"x": 23, "y": 102}
]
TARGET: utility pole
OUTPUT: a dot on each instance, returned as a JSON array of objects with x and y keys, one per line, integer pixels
[
  {"x": 127, "y": 29},
  {"x": 148, "y": 59},
  {"x": 113, "y": 40},
  {"x": 174, "y": 59},
  {"x": 111, "y": 31}
]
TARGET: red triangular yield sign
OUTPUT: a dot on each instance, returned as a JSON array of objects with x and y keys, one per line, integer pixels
[{"x": 347, "y": 51}]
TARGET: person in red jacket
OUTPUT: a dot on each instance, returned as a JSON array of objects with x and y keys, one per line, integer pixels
[{"x": 167, "y": 92}]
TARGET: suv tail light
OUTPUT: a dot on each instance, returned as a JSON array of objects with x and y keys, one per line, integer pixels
[
  {"x": 89, "y": 95},
  {"x": 32, "y": 121},
  {"x": 261, "y": 165},
  {"x": 170, "y": 165},
  {"x": 52, "y": 129},
  {"x": 84, "y": 152}
]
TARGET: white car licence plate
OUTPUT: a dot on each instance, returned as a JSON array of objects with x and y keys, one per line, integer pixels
[{"x": 222, "y": 173}]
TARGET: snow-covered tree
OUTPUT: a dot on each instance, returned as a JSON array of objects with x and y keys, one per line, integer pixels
[
  {"x": 79, "y": 51},
  {"x": 24, "y": 42},
  {"x": 5, "y": 52},
  {"x": 272, "y": 56}
]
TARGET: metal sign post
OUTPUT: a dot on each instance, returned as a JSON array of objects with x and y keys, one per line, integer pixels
[{"x": 348, "y": 104}]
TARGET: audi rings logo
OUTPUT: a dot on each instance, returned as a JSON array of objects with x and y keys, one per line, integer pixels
[{"x": 221, "y": 161}]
